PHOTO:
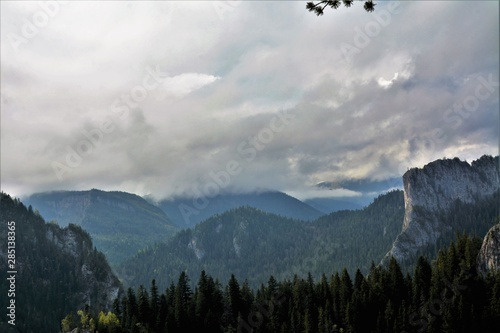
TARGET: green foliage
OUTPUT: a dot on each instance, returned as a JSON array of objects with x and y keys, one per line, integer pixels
[
  {"x": 108, "y": 323},
  {"x": 68, "y": 323},
  {"x": 445, "y": 296}
]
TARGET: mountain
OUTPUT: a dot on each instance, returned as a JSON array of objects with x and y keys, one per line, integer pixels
[
  {"x": 252, "y": 245},
  {"x": 54, "y": 270},
  {"x": 445, "y": 197},
  {"x": 488, "y": 259},
  {"x": 187, "y": 212},
  {"x": 120, "y": 223}
]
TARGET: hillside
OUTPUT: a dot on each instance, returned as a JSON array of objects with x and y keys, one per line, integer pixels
[
  {"x": 187, "y": 212},
  {"x": 443, "y": 295},
  {"x": 252, "y": 244},
  {"x": 57, "y": 270},
  {"x": 120, "y": 223}
]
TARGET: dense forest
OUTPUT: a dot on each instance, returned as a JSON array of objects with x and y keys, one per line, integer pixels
[
  {"x": 51, "y": 279},
  {"x": 253, "y": 245},
  {"x": 227, "y": 243},
  {"x": 445, "y": 295}
]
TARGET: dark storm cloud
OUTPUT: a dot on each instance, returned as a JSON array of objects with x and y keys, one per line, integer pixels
[{"x": 188, "y": 88}]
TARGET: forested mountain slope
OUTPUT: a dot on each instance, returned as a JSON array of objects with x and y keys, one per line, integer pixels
[
  {"x": 57, "y": 270},
  {"x": 445, "y": 295},
  {"x": 120, "y": 223},
  {"x": 252, "y": 245}
]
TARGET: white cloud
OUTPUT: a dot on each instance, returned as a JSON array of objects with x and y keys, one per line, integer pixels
[
  {"x": 183, "y": 84},
  {"x": 228, "y": 76}
]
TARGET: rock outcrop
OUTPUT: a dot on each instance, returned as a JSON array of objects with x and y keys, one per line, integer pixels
[
  {"x": 432, "y": 191},
  {"x": 97, "y": 282},
  {"x": 57, "y": 270},
  {"x": 489, "y": 255}
]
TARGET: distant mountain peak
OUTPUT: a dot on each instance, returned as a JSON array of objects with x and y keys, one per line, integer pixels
[
  {"x": 120, "y": 223},
  {"x": 188, "y": 212}
]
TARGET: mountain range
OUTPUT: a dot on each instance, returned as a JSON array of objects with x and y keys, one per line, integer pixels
[
  {"x": 187, "y": 212},
  {"x": 112, "y": 218},
  {"x": 61, "y": 270},
  {"x": 446, "y": 196},
  {"x": 252, "y": 245},
  {"x": 123, "y": 223}
]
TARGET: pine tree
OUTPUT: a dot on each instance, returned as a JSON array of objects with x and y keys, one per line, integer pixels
[
  {"x": 154, "y": 305},
  {"x": 421, "y": 283},
  {"x": 234, "y": 298},
  {"x": 144, "y": 308},
  {"x": 132, "y": 309},
  {"x": 182, "y": 299},
  {"x": 346, "y": 290},
  {"x": 396, "y": 282},
  {"x": 162, "y": 314}
]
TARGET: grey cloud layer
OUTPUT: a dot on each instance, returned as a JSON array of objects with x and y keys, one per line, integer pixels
[{"x": 226, "y": 76}]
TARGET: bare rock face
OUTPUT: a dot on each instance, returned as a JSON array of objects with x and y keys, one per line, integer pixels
[
  {"x": 489, "y": 255},
  {"x": 97, "y": 282},
  {"x": 432, "y": 190}
]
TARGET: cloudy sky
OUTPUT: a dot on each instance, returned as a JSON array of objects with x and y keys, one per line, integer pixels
[{"x": 170, "y": 98}]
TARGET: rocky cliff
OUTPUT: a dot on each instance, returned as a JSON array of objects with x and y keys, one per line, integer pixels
[
  {"x": 433, "y": 192},
  {"x": 98, "y": 284},
  {"x": 489, "y": 255},
  {"x": 56, "y": 270}
]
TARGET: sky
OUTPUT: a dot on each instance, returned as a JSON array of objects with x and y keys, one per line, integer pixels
[{"x": 192, "y": 98}]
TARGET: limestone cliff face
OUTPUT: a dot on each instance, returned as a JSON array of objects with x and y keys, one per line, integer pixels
[
  {"x": 58, "y": 270},
  {"x": 489, "y": 255},
  {"x": 431, "y": 191},
  {"x": 97, "y": 283}
]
